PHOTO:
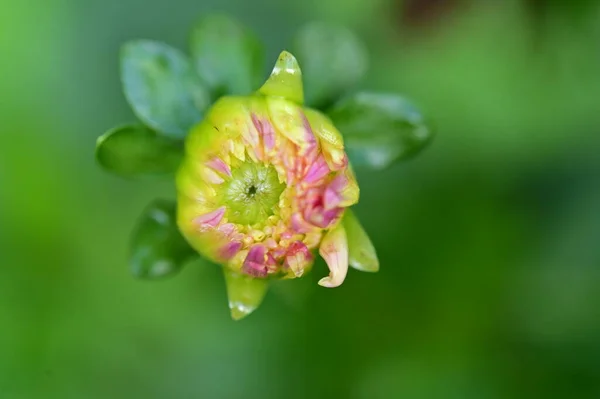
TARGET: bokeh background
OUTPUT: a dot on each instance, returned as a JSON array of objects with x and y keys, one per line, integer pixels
[{"x": 489, "y": 240}]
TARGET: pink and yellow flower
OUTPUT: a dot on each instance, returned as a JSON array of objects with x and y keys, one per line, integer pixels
[{"x": 265, "y": 183}]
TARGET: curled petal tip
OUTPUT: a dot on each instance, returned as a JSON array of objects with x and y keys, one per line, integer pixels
[
  {"x": 285, "y": 80},
  {"x": 327, "y": 282},
  {"x": 334, "y": 249}
]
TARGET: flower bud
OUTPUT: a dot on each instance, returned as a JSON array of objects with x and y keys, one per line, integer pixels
[{"x": 264, "y": 184}]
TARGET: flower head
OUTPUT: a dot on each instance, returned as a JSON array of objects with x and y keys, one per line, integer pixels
[{"x": 264, "y": 185}]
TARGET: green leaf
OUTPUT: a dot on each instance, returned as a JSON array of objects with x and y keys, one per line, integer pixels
[
  {"x": 244, "y": 293},
  {"x": 228, "y": 58},
  {"x": 157, "y": 247},
  {"x": 332, "y": 60},
  {"x": 162, "y": 88},
  {"x": 380, "y": 129},
  {"x": 361, "y": 252},
  {"x": 136, "y": 150}
]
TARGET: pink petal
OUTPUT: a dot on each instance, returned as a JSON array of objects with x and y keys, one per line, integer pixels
[
  {"x": 255, "y": 262},
  {"x": 318, "y": 170},
  {"x": 252, "y": 139},
  {"x": 271, "y": 263},
  {"x": 298, "y": 224},
  {"x": 227, "y": 228},
  {"x": 309, "y": 136},
  {"x": 229, "y": 250},
  {"x": 266, "y": 131},
  {"x": 278, "y": 252},
  {"x": 341, "y": 192},
  {"x": 334, "y": 249},
  {"x": 323, "y": 218},
  {"x": 220, "y": 166},
  {"x": 331, "y": 199},
  {"x": 271, "y": 243},
  {"x": 210, "y": 219},
  {"x": 211, "y": 176},
  {"x": 286, "y": 235},
  {"x": 298, "y": 257}
]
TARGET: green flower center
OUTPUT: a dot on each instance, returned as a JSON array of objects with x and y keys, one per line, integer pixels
[{"x": 252, "y": 194}]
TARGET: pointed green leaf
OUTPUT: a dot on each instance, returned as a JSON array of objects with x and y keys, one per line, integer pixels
[
  {"x": 228, "y": 58},
  {"x": 380, "y": 129},
  {"x": 162, "y": 88},
  {"x": 332, "y": 59},
  {"x": 136, "y": 150},
  {"x": 157, "y": 247},
  {"x": 285, "y": 80},
  {"x": 245, "y": 293},
  {"x": 362, "y": 255}
]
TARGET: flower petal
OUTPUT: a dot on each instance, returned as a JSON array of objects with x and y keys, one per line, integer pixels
[
  {"x": 210, "y": 175},
  {"x": 290, "y": 121},
  {"x": 210, "y": 219},
  {"x": 285, "y": 80},
  {"x": 332, "y": 143},
  {"x": 255, "y": 262},
  {"x": 229, "y": 250},
  {"x": 324, "y": 129},
  {"x": 265, "y": 131},
  {"x": 334, "y": 249},
  {"x": 362, "y": 255},
  {"x": 298, "y": 258},
  {"x": 217, "y": 164},
  {"x": 245, "y": 293},
  {"x": 317, "y": 170},
  {"x": 342, "y": 191}
]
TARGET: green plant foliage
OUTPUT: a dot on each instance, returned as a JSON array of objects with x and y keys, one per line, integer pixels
[
  {"x": 160, "y": 85},
  {"x": 170, "y": 93},
  {"x": 228, "y": 58},
  {"x": 157, "y": 247},
  {"x": 362, "y": 255},
  {"x": 332, "y": 59},
  {"x": 380, "y": 129},
  {"x": 136, "y": 151}
]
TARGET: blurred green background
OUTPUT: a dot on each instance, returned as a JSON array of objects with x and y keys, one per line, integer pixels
[{"x": 489, "y": 240}]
